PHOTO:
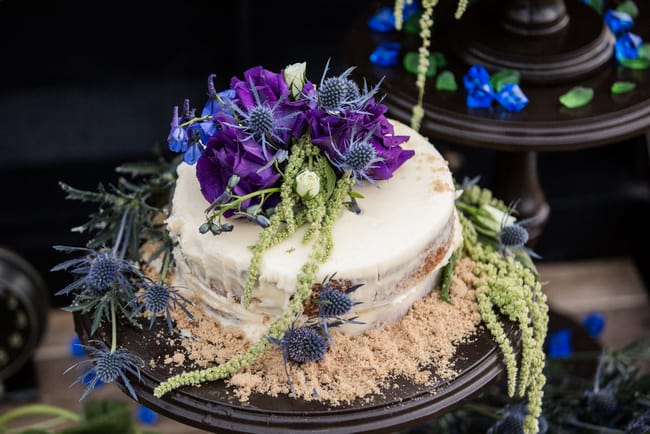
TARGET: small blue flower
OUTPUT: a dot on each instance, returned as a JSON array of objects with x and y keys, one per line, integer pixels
[
  {"x": 618, "y": 22},
  {"x": 627, "y": 46},
  {"x": 513, "y": 236},
  {"x": 601, "y": 404},
  {"x": 511, "y": 97},
  {"x": 147, "y": 416},
  {"x": 594, "y": 323},
  {"x": 481, "y": 96},
  {"x": 559, "y": 344},
  {"x": 160, "y": 299},
  {"x": 215, "y": 104},
  {"x": 177, "y": 139},
  {"x": 383, "y": 20},
  {"x": 476, "y": 76},
  {"x": 386, "y": 54},
  {"x": 108, "y": 366},
  {"x": 76, "y": 348}
]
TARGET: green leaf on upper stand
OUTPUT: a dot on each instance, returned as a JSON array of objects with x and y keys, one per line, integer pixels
[
  {"x": 639, "y": 63},
  {"x": 446, "y": 81},
  {"x": 412, "y": 24},
  {"x": 622, "y": 87},
  {"x": 629, "y": 7},
  {"x": 503, "y": 77},
  {"x": 644, "y": 51},
  {"x": 577, "y": 97},
  {"x": 440, "y": 59},
  {"x": 412, "y": 60}
]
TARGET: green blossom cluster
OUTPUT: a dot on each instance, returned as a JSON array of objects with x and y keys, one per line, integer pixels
[
  {"x": 508, "y": 288},
  {"x": 320, "y": 212}
]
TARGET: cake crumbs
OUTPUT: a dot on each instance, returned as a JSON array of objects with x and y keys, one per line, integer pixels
[{"x": 419, "y": 348}]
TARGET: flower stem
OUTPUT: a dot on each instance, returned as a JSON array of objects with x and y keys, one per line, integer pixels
[
  {"x": 37, "y": 409},
  {"x": 113, "y": 327},
  {"x": 165, "y": 266},
  {"x": 195, "y": 120},
  {"x": 120, "y": 232},
  {"x": 239, "y": 199}
]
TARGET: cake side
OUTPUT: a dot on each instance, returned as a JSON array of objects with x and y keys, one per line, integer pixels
[{"x": 405, "y": 233}]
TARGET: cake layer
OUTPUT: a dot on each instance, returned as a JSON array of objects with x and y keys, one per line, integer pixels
[{"x": 396, "y": 246}]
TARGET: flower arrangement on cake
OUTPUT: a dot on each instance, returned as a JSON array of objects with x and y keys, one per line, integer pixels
[{"x": 277, "y": 230}]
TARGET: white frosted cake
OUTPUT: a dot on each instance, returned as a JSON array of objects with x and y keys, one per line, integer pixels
[{"x": 395, "y": 247}]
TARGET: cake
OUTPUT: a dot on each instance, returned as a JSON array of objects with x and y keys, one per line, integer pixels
[
  {"x": 395, "y": 247},
  {"x": 300, "y": 219}
]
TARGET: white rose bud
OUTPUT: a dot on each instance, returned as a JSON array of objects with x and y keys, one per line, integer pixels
[
  {"x": 499, "y": 217},
  {"x": 295, "y": 76},
  {"x": 307, "y": 184}
]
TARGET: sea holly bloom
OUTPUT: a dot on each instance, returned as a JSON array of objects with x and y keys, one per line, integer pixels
[
  {"x": 333, "y": 303},
  {"x": 334, "y": 135},
  {"x": 107, "y": 367},
  {"x": 513, "y": 235},
  {"x": 512, "y": 421},
  {"x": 158, "y": 298},
  {"x": 228, "y": 154}
]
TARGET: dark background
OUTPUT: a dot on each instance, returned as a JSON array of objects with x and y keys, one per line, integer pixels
[{"x": 85, "y": 86}]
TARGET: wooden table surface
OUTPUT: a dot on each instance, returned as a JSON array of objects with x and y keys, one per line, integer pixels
[{"x": 610, "y": 286}]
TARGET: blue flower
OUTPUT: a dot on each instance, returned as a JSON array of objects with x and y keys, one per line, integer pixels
[
  {"x": 177, "y": 139},
  {"x": 513, "y": 235},
  {"x": 158, "y": 299},
  {"x": 618, "y": 22},
  {"x": 108, "y": 366},
  {"x": 559, "y": 344},
  {"x": 481, "y": 96},
  {"x": 216, "y": 103},
  {"x": 359, "y": 156},
  {"x": 594, "y": 323},
  {"x": 476, "y": 76},
  {"x": 333, "y": 303},
  {"x": 146, "y": 416},
  {"x": 640, "y": 424},
  {"x": 386, "y": 54},
  {"x": 383, "y": 20},
  {"x": 627, "y": 46},
  {"x": 511, "y": 97}
]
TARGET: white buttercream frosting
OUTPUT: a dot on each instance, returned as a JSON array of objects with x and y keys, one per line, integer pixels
[{"x": 396, "y": 246}]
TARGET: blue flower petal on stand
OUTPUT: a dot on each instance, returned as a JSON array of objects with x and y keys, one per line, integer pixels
[
  {"x": 386, "y": 54},
  {"x": 146, "y": 416},
  {"x": 382, "y": 21},
  {"x": 594, "y": 323},
  {"x": 410, "y": 9},
  {"x": 627, "y": 46},
  {"x": 477, "y": 75},
  {"x": 559, "y": 344},
  {"x": 76, "y": 348},
  {"x": 481, "y": 96},
  {"x": 511, "y": 97},
  {"x": 89, "y": 377},
  {"x": 618, "y": 22}
]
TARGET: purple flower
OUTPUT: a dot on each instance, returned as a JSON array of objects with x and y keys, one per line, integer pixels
[
  {"x": 335, "y": 134},
  {"x": 227, "y": 154}
]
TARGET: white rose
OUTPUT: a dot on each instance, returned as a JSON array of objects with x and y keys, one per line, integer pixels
[
  {"x": 307, "y": 184},
  {"x": 295, "y": 76},
  {"x": 499, "y": 216}
]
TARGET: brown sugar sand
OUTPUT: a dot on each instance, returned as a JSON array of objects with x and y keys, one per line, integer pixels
[{"x": 420, "y": 348}]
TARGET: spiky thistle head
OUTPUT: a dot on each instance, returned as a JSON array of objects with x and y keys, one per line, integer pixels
[
  {"x": 640, "y": 424},
  {"x": 305, "y": 345},
  {"x": 108, "y": 366},
  {"x": 158, "y": 298},
  {"x": 601, "y": 404},
  {"x": 357, "y": 155},
  {"x": 339, "y": 93},
  {"x": 512, "y": 421},
  {"x": 333, "y": 303},
  {"x": 513, "y": 235}
]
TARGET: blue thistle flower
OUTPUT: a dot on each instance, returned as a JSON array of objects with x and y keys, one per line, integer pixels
[
  {"x": 158, "y": 299},
  {"x": 300, "y": 345},
  {"x": 601, "y": 404},
  {"x": 107, "y": 367},
  {"x": 640, "y": 424},
  {"x": 359, "y": 157},
  {"x": 332, "y": 305},
  {"x": 512, "y": 421},
  {"x": 263, "y": 123},
  {"x": 336, "y": 94},
  {"x": 98, "y": 272},
  {"x": 513, "y": 236}
]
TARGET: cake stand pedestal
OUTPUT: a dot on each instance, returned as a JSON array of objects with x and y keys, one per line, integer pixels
[
  {"x": 556, "y": 45},
  {"x": 213, "y": 407}
]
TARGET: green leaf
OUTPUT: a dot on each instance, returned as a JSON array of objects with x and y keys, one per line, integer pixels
[
  {"x": 506, "y": 76},
  {"x": 412, "y": 60},
  {"x": 644, "y": 51},
  {"x": 330, "y": 178},
  {"x": 412, "y": 24},
  {"x": 355, "y": 194},
  {"x": 440, "y": 59},
  {"x": 446, "y": 81},
  {"x": 638, "y": 63},
  {"x": 622, "y": 87},
  {"x": 598, "y": 5},
  {"x": 104, "y": 417},
  {"x": 629, "y": 7},
  {"x": 447, "y": 274},
  {"x": 577, "y": 97}
]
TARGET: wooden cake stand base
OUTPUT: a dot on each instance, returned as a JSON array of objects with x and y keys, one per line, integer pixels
[{"x": 213, "y": 407}]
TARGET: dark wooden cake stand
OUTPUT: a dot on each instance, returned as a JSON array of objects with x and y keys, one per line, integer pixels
[
  {"x": 213, "y": 407},
  {"x": 556, "y": 45}
]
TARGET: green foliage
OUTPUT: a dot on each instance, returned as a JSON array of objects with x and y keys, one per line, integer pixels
[
  {"x": 577, "y": 97},
  {"x": 622, "y": 87},
  {"x": 446, "y": 81},
  {"x": 506, "y": 76}
]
